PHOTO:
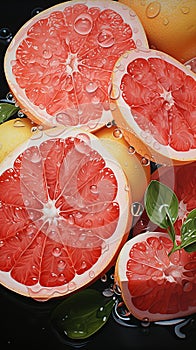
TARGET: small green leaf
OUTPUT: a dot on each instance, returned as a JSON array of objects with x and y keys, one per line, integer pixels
[
  {"x": 7, "y": 110},
  {"x": 161, "y": 205},
  {"x": 188, "y": 232},
  {"x": 82, "y": 314}
]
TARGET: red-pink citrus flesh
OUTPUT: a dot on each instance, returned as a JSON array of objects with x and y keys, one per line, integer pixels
[
  {"x": 155, "y": 98},
  {"x": 154, "y": 286},
  {"x": 64, "y": 213},
  {"x": 59, "y": 64}
]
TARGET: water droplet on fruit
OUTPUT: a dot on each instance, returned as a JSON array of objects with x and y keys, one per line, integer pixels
[
  {"x": 137, "y": 208},
  {"x": 91, "y": 87},
  {"x": 47, "y": 54},
  {"x": 56, "y": 252},
  {"x": 131, "y": 150},
  {"x": 18, "y": 123},
  {"x": 117, "y": 133},
  {"x": 165, "y": 21},
  {"x": 83, "y": 24},
  {"x": 145, "y": 161},
  {"x": 114, "y": 92},
  {"x": 153, "y": 9},
  {"x": 188, "y": 286},
  {"x": 93, "y": 189},
  {"x": 61, "y": 265},
  {"x": 5, "y": 35},
  {"x": 185, "y": 9},
  {"x": 1, "y": 244},
  {"x": 105, "y": 38},
  {"x": 91, "y": 274}
]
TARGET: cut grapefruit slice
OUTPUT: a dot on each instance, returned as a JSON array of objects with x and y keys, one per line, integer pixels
[
  {"x": 64, "y": 213},
  {"x": 182, "y": 180},
  {"x": 59, "y": 64},
  {"x": 154, "y": 286},
  {"x": 156, "y": 105}
]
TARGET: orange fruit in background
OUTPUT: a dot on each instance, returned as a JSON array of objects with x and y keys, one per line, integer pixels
[
  {"x": 170, "y": 25},
  {"x": 136, "y": 168},
  {"x": 155, "y": 103},
  {"x": 58, "y": 66},
  {"x": 64, "y": 214},
  {"x": 13, "y": 132},
  {"x": 182, "y": 180},
  {"x": 155, "y": 287}
]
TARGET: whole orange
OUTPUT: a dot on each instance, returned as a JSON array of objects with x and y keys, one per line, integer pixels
[{"x": 170, "y": 25}]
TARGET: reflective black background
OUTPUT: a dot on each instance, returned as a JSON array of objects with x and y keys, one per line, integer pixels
[{"x": 25, "y": 323}]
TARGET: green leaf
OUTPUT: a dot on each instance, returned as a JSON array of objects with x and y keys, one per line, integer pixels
[
  {"x": 161, "y": 205},
  {"x": 188, "y": 232},
  {"x": 7, "y": 110},
  {"x": 82, "y": 314}
]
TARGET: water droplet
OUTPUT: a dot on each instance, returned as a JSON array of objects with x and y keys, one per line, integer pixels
[
  {"x": 5, "y": 35},
  {"x": 188, "y": 286},
  {"x": 71, "y": 220},
  {"x": 145, "y": 161},
  {"x": 117, "y": 133},
  {"x": 165, "y": 21},
  {"x": 56, "y": 252},
  {"x": 19, "y": 123},
  {"x": 83, "y": 24},
  {"x": 185, "y": 9},
  {"x": 93, "y": 189},
  {"x": 114, "y": 92},
  {"x": 131, "y": 150},
  {"x": 61, "y": 265},
  {"x": 47, "y": 54},
  {"x": 83, "y": 265},
  {"x": 91, "y": 87},
  {"x": 1, "y": 243},
  {"x": 104, "y": 278},
  {"x": 35, "y": 11},
  {"x": 105, "y": 38},
  {"x": 91, "y": 274},
  {"x": 137, "y": 208},
  {"x": 20, "y": 114},
  {"x": 153, "y": 9},
  {"x": 145, "y": 322}
]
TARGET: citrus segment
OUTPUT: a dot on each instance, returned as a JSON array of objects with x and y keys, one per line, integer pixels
[
  {"x": 156, "y": 106},
  {"x": 136, "y": 168},
  {"x": 156, "y": 286},
  {"x": 182, "y": 180},
  {"x": 64, "y": 213},
  {"x": 59, "y": 64}
]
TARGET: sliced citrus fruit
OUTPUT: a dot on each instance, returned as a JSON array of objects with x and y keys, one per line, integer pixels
[
  {"x": 136, "y": 167},
  {"x": 64, "y": 213},
  {"x": 14, "y": 132},
  {"x": 156, "y": 105},
  {"x": 182, "y": 180},
  {"x": 59, "y": 64},
  {"x": 156, "y": 286},
  {"x": 169, "y": 25}
]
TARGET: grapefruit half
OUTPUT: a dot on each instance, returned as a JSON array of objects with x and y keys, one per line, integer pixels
[
  {"x": 64, "y": 213},
  {"x": 155, "y": 99},
  {"x": 154, "y": 286},
  {"x": 182, "y": 180},
  {"x": 59, "y": 64}
]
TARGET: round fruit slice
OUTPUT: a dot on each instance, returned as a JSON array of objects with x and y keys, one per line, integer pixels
[
  {"x": 136, "y": 167},
  {"x": 59, "y": 64},
  {"x": 182, "y": 180},
  {"x": 156, "y": 286},
  {"x": 156, "y": 105},
  {"x": 64, "y": 213}
]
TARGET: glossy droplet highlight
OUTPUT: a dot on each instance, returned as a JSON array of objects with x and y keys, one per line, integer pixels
[
  {"x": 105, "y": 38},
  {"x": 185, "y": 9},
  {"x": 137, "y": 208},
  {"x": 117, "y": 133},
  {"x": 83, "y": 24},
  {"x": 153, "y": 9},
  {"x": 131, "y": 150},
  {"x": 91, "y": 87},
  {"x": 18, "y": 123}
]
